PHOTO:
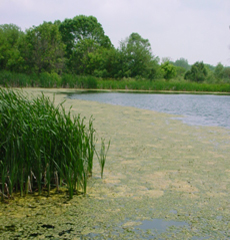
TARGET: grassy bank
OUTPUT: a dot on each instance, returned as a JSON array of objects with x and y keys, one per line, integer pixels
[{"x": 53, "y": 80}]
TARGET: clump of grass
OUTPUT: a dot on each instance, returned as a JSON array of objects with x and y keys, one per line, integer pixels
[
  {"x": 102, "y": 155},
  {"x": 42, "y": 145}
]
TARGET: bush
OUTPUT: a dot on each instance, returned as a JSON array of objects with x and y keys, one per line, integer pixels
[{"x": 198, "y": 72}]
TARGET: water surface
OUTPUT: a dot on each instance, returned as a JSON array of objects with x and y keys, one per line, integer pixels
[{"x": 203, "y": 110}]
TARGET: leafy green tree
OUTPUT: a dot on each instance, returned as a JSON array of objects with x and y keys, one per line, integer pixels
[
  {"x": 219, "y": 71},
  {"x": 210, "y": 67},
  {"x": 166, "y": 59},
  {"x": 82, "y": 35},
  {"x": 10, "y": 58},
  {"x": 198, "y": 72},
  {"x": 87, "y": 57},
  {"x": 110, "y": 65},
  {"x": 169, "y": 71},
  {"x": 180, "y": 71},
  {"x": 226, "y": 74},
  {"x": 182, "y": 62},
  {"x": 136, "y": 56},
  {"x": 42, "y": 49}
]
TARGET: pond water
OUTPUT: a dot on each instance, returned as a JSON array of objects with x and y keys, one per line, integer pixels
[
  {"x": 203, "y": 110},
  {"x": 161, "y": 225}
]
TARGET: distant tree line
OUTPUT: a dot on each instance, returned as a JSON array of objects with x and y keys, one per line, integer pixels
[{"x": 79, "y": 46}]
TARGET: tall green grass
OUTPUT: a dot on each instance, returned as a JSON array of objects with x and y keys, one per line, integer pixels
[
  {"x": 102, "y": 155},
  {"x": 51, "y": 80},
  {"x": 162, "y": 85},
  {"x": 42, "y": 145},
  {"x": 47, "y": 80}
]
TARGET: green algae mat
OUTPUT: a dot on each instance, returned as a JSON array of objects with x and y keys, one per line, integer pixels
[{"x": 162, "y": 180}]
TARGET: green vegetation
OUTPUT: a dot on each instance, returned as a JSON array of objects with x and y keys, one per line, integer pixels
[
  {"x": 162, "y": 85},
  {"x": 198, "y": 72},
  {"x": 76, "y": 53},
  {"x": 50, "y": 80},
  {"x": 169, "y": 71},
  {"x": 42, "y": 146},
  {"x": 102, "y": 155}
]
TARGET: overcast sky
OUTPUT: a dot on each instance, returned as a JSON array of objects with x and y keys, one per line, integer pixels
[{"x": 197, "y": 30}]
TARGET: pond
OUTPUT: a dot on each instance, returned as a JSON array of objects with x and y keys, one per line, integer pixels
[
  {"x": 201, "y": 110},
  {"x": 162, "y": 179}
]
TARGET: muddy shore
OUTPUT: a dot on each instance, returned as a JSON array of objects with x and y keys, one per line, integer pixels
[{"x": 157, "y": 169}]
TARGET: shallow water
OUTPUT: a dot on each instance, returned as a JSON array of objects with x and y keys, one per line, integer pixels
[
  {"x": 161, "y": 225},
  {"x": 204, "y": 110}
]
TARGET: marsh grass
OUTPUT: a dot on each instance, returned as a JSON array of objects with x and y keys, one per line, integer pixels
[
  {"x": 102, "y": 155},
  {"x": 42, "y": 145},
  {"x": 162, "y": 85},
  {"x": 52, "y": 80}
]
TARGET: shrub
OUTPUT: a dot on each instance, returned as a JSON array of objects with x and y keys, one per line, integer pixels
[{"x": 198, "y": 72}]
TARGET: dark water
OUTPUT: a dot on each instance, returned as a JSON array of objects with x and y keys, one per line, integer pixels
[{"x": 204, "y": 110}]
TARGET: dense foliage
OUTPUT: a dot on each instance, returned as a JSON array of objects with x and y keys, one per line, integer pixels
[
  {"x": 198, "y": 72},
  {"x": 79, "y": 47},
  {"x": 43, "y": 146}
]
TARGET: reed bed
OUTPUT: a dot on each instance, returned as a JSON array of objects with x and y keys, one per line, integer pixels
[
  {"x": 42, "y": 146},
  {"x": 52, "y": 80},
  {"x": 162, "y": 85},
  {"x": 47, "y": 80}
]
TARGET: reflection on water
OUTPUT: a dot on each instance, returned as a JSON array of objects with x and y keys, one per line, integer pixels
[{"x": 209, "y": 110}]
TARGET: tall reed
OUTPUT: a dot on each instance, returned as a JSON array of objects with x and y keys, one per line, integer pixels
[
  {"x": 42, "y": 145},
  {"x": 102, "y": 155},
  {"x": 51, "y": 80}
]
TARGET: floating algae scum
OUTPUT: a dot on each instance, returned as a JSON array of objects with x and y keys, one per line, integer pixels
[{"x": 162, "y": 180}]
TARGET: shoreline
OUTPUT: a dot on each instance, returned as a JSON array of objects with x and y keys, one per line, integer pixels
[
  {"x": 152, "y": 91},
  {"x": 127, "y": 91}
]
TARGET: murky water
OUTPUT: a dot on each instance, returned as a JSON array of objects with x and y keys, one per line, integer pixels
[
  {"x": 204, "y": 110},
  {"x": 160, "y": 224}
]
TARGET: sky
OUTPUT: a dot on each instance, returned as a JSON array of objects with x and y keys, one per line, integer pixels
[{"x": 197, "y": 30}]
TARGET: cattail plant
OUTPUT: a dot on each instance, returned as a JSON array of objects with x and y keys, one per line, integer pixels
[{"x": 43, "y": 146}]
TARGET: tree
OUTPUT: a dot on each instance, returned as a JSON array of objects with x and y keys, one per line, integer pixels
[
  {"x": 226, "y": 74},
  {"x": 82, "y": 32},
  {"x": 42, "y": 49},
  {"x": 9, "y": 54},
  {"x": 169, "y": 71},
  {"x": 86, "y": 57},
  {"x": 198, "y": 72},
  {"x": 136, "y": 56},
  {"x": 219, "y": 71},
  {"x": 110, "y": 63},
  {"x": 182, "y": 63}
]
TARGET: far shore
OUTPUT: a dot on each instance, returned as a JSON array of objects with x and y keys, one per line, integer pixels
[{"x": 79, "y": 90}]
